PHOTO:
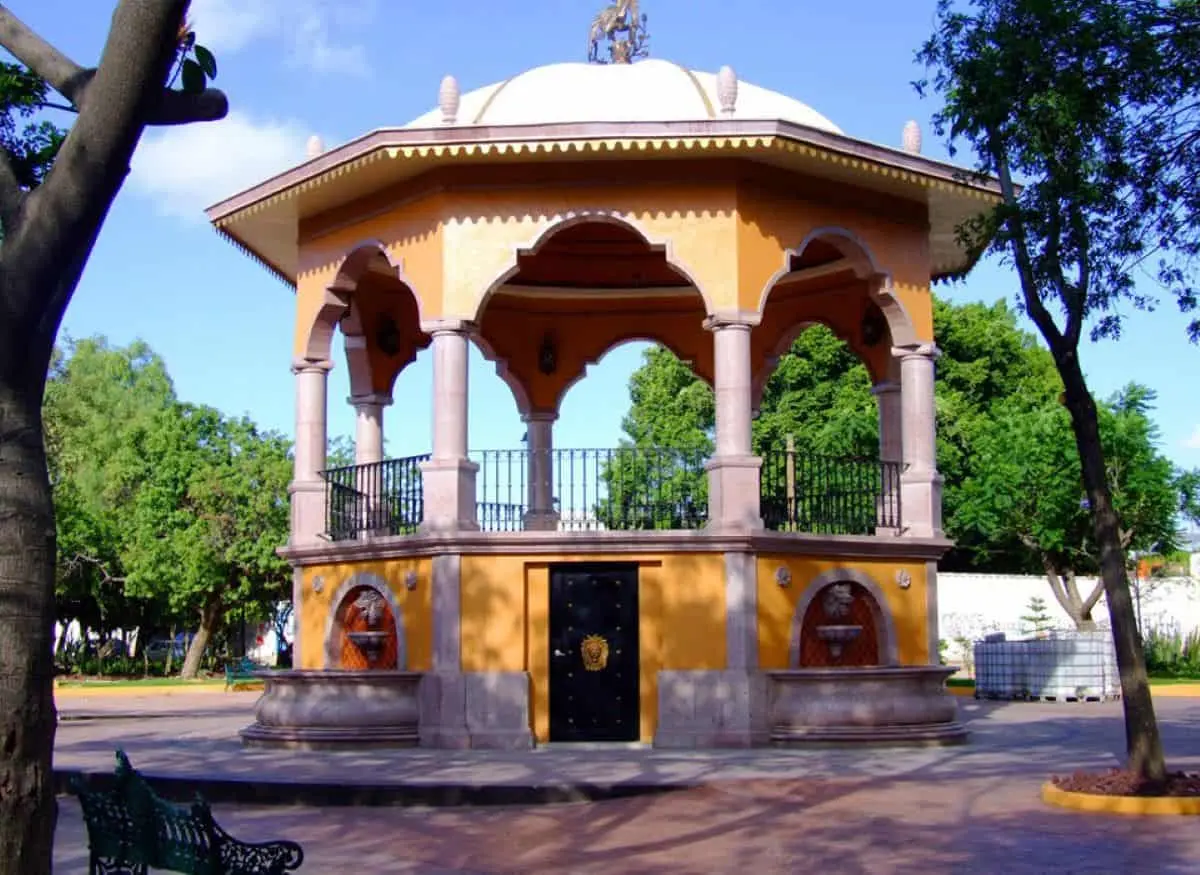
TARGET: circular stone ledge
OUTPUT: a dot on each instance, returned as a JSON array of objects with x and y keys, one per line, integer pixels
[
  {"x": 1096, "y": 803},
  {"x": 336, "y": 709}
]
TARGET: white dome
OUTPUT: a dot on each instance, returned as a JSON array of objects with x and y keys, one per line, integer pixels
[{"x": 646, "y": 91}]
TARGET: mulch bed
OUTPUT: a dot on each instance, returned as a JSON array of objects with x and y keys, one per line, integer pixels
[{"x": 1119, "y": 782}]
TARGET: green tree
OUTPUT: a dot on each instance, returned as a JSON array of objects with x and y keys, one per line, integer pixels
[
  {"x": 1090, "y": 104},
  {"x": 217, "y": 488},
  {"x": 820, "y": 394},
  {"x": 1026, "y": 493},
  {"x": 100, "y": 402},
  {"x": 49, "y": 222},
  {"x": 1037, "y": 619}
]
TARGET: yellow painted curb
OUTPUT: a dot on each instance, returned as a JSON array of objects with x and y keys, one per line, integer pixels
[
  {"x": 99, "y": 691},
  {"x": 1094, "y": 803},
  {"x": 1181, "y": 690}
]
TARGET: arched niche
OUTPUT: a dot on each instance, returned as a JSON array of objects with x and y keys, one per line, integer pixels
[
  {"x": 341, "y": 610},
  {"x": 868, "y": 596}
]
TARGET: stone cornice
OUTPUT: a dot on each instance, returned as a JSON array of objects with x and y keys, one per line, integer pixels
[{"x": 618, "y": 543}]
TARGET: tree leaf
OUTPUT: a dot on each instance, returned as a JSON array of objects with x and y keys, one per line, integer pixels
[
  {"x": 194, "y": 80},
  {"x": 207, "y": 61}
]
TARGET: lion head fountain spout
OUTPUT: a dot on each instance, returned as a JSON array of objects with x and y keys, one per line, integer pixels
[
  {"x": 836, "y": 603},
  {"x": 370, "y": 641}
]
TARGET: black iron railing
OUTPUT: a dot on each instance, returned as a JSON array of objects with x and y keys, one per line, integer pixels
[
  {"x": 620, "y": 489},
  {"x": 376, "y": 498},
  {"x": 825, "y": 495}
]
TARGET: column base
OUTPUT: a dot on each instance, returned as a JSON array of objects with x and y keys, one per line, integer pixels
[
  {"x": 542, "y": 521},
  {"x": 477, "y": 711},
  {"x": 700, "y": 709},
  {"x": 921, "y": 504},
  {"x": 308, "y": 525},
  {"x": 449, "y": 494},
  {"x": 734, "y": 492}
]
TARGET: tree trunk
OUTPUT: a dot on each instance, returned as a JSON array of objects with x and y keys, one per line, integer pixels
[
  {"x": 1143, "y": 744},
  {"x": 1066, "y": 592},
  {"x": 27, "y": 550},
  {"x": 210, "y": 616}
]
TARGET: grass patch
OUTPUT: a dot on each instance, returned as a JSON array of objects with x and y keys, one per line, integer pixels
[
  {"x": 110, "y": 683},
  {"x": 1171, "y": 680}
]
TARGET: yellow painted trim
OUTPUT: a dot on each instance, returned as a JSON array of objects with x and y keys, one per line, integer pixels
[{"x": 1141, "y": 806}]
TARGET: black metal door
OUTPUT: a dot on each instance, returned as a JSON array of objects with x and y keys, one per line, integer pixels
[{"x": 594, "y": 652}]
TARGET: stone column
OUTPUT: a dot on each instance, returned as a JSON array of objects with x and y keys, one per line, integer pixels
[
  {"x": 449, "y": 476},
  {"x": 541, "y": 515},
  {"x": 733, "y": 470},
  {"x": 920, "y": 483},
  {"x": 368, "y": 453},
  {"x": 368, "y": 426},
  {"x": 307, "y": 489},
  {"x": 891, "y": 449}
]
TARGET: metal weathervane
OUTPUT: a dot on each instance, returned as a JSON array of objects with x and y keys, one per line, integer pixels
[{"x": 624, "y": 29}]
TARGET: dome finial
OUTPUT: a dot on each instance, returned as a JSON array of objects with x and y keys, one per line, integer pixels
[
  {"x": 448, "y": 100},
  {"x": 727, "y": 90},
  {"x": 911, "y": 138},
  {"x": 624, "y": 26}
]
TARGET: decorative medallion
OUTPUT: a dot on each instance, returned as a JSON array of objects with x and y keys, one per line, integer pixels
[
  {"x": 595, "y": 653},
  {"x": 783, "y": 576},
  {"x": 318, "y": 583},
  {"x": 410, "y": 581},
  {"x": 903, "y": 578}
]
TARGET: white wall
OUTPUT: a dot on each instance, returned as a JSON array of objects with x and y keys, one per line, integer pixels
[{"x": 973, "y": 605}]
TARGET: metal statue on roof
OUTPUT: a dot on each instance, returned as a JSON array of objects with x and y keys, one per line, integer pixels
[{"x": 624, "y": 28}]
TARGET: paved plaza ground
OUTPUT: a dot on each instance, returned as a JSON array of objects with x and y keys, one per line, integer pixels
[{"x": 968, "y": 809}]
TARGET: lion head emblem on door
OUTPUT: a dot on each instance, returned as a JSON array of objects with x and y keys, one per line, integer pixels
[{"x": 595, "y": 653}]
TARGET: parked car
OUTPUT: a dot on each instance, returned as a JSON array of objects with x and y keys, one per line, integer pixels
[{"x": 157, "y": 650}]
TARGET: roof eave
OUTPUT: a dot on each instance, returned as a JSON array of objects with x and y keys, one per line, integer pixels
[{"x": 401, "y": 138}]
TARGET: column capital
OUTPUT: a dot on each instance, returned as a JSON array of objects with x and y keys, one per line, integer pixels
[
  {"x": 434, "y": 327},
  {"x": 732, "y": 319},
  {"x": 540, "y": 416},
  {"x": 917, "y": 350},
  {"x": 373, "y": 399},
  {"x": 308, "y": 366},
  {"x": 885, "y": 387}
]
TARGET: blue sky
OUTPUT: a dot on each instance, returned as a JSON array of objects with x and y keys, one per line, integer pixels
[{"x": 338, "y": 68}]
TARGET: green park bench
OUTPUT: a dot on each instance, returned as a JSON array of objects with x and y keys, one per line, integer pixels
[
  {"x": 131, "y": 829},
  {"x": 241, "y": 672}
]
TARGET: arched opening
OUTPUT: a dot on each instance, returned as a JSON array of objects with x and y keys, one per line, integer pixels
[
  {"x": 825, "y": 390},
  {"x": 588, "y": 288},
  {"x": 370, "y": 486},
  {"x": 840, "y": 628},
  {"x": 365, "y": 634}
]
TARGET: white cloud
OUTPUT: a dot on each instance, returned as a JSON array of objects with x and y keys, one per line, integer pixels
[
  {"x": 1193, "y": 442},
  {"x": 314, "y": 33},
  {"x": 185, "y": 169}
]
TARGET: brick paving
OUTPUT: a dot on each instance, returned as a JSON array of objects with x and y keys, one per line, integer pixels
[{"x": 970, "y": 809}]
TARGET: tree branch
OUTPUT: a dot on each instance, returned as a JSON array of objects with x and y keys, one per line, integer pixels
[
  {"x": 1033, "y": 303},
  {"x": 64, "y": 75},
  {"x": 1093, "y": 596},
  {"x": 178, "y": 108}
]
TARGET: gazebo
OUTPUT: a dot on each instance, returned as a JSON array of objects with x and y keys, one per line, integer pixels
[{"x": 553, "y": 594}]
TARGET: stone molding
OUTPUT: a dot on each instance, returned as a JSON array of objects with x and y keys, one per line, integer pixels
[{"x": 846, "y": 547}]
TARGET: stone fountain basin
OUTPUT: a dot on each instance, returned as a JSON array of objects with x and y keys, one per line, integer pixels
[
  {"x": 881, "y": 704},
  {"x": 330, "y": 709}
]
